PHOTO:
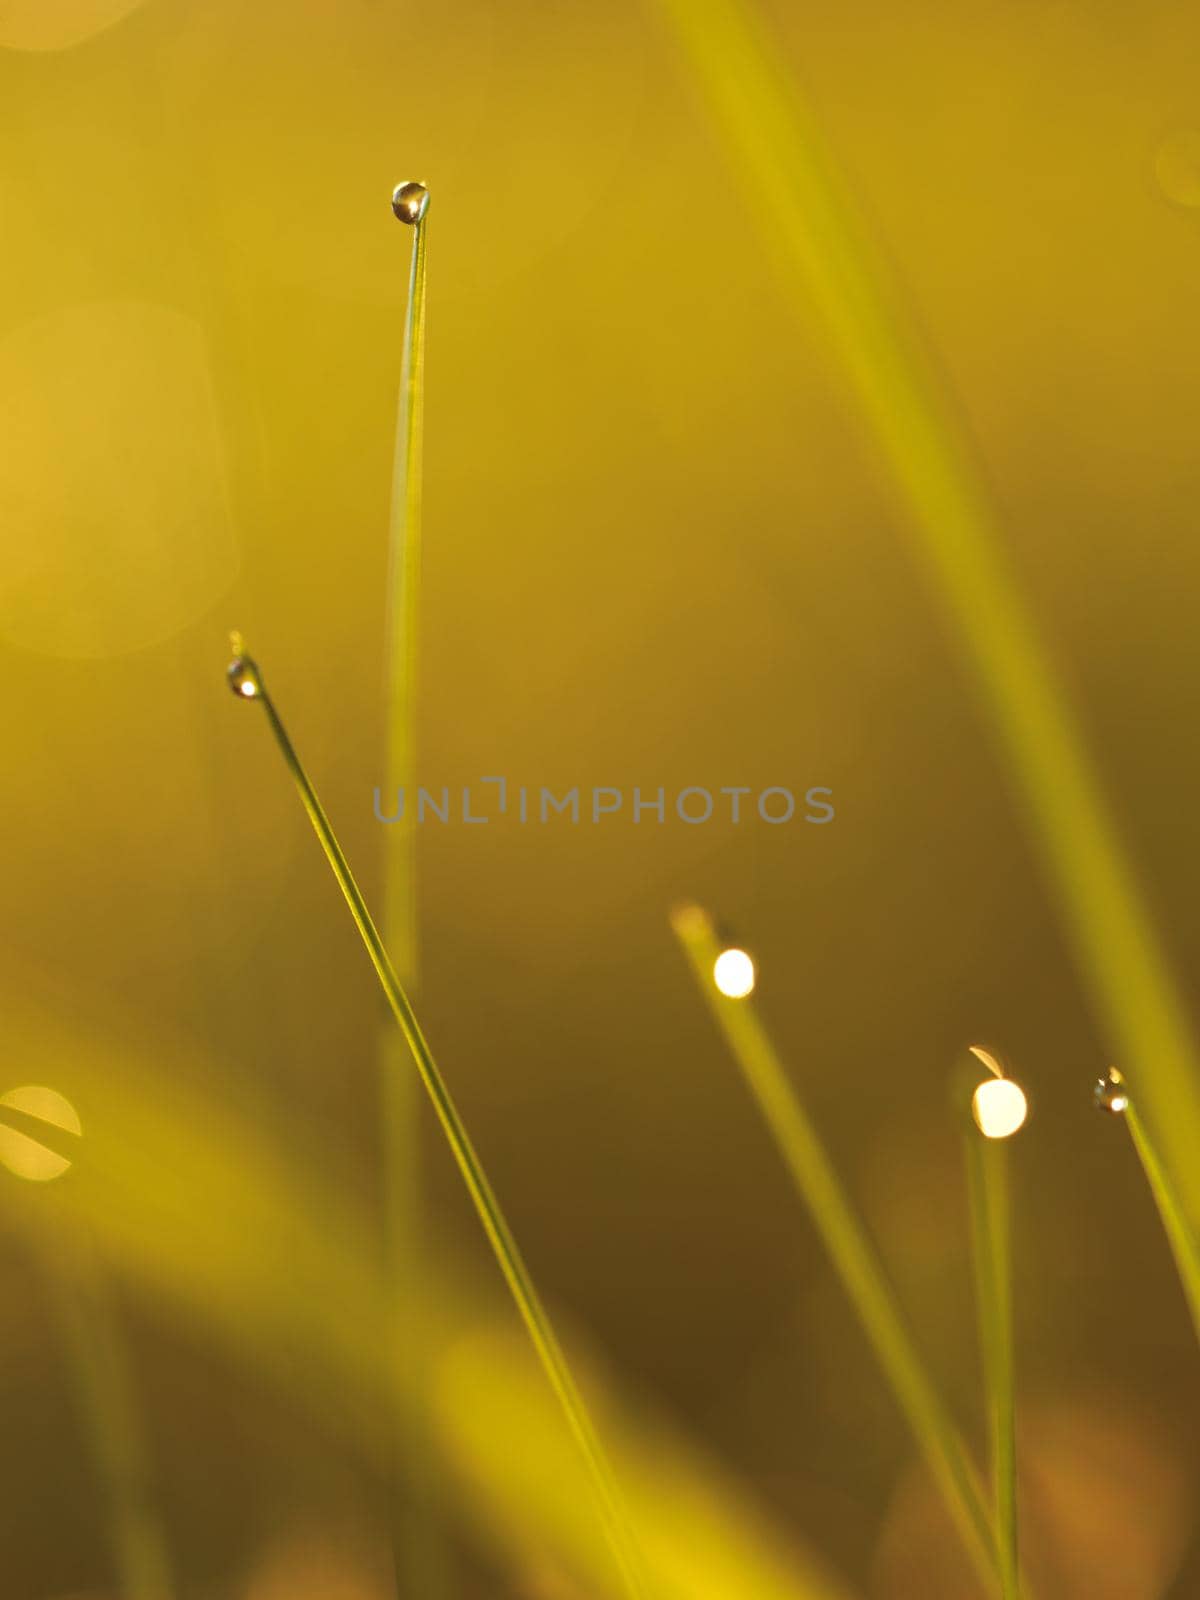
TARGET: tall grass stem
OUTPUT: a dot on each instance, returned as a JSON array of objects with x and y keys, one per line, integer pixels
[
  {"x": 991, "y": 1249},
  {"x": 853, "y": 1257},
  {"x": 420, "y": 1552},
  {"x": 97, "y": 1358},
  {"x": 611, "y": 1505},
  {"x": 402, "y": 628},
  {"x": 1180, "y": 1234},
  {"x": 827, "y": 264}
]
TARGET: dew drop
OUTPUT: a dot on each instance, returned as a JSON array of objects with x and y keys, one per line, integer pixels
[
  {"x": 410, "y": 201},
  {"x": 1110, "y": 1093},
  {"x": 242, "y": 673}
]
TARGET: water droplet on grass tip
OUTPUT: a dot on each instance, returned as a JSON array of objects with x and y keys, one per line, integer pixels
[
  {"x": 410, "y": 201},
  {"x": 1110, "y": 1093},
  {"x": 242, "y": 672}
]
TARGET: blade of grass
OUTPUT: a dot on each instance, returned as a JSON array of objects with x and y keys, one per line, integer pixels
[
  {"x": 991, "y": 1254},
  {"x": 851, "y": 1252},
  {"x": 246, "y": 682},
  {"x": 97, "y": 1358},
  {"x": 193, "y": 1194},
  {"x": 402, "y": 622},
  {"x": 702, "y": 1536},
  {"x": 825, "y": 261},
  {"x": 1113, "y": 1094},
  {"x": 1178, "y": 1230},
  {"x": 41, "y": 1140},
  {"x": 420, "y": 1552}
]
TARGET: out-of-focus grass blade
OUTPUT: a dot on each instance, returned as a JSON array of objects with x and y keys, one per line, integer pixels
[
  {"x": 825, "y": 260},
  {"x": 703, "y": 1538},
  {"x": 987, "y": 1188},
  {"x": 97, "y": 1360},
  {"x": 41, "y": 1140},
  {"x": 851, "y": 1252},
  {"x": 232, "y": 1217}
]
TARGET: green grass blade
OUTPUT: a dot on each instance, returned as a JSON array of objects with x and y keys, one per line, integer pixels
[
  {"x": 192, "y": 1193},
  {"x": 987, "y": 1189},
  {"x": 1180, "y": 1234},
  {"x": 851, "y": 1252},
  {"x": 98, "y": 1362},
  {"x": 420, "y": 1553},
  {"x": 402, "y": 630},
  {"x": 825, "y": 261},
  {"x": 246, "y": 680}
]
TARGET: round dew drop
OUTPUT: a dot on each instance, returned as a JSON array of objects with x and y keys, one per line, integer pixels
[
  {"x": 1110, "y": 1093},
  {"x": 410, "y": 202}
]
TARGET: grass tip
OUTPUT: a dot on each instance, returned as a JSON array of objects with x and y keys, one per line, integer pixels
[{"x": 691, "y": 921}]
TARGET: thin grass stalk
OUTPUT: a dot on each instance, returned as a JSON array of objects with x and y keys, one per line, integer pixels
[
  {"x": 850, "y": 1251},
  {"x": 92, "y": 1342},
  {"x": 97, "y": 1359},
  {"x": 420, "y": 1553},
  {"x": 402, "y": 629},
  {"x": 233, "y": 1165},
  {"x": 246, "y": 681},
  {"x": 1180, "y": 1235},
  {"x": 991, "y": 1251},
  {"x": 826, "y": 262}
]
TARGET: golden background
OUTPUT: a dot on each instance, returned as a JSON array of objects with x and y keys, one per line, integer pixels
[{"x": 660, "y": 547}]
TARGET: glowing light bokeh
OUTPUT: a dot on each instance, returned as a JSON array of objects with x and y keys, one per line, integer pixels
[
  {"x": 734, "y": 974},
  {"x": 999, "y": 1107},
  {"x": 20, "y": 1152}
]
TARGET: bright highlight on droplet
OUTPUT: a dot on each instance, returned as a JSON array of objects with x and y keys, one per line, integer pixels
[
  {"x": 21, "y": 1153},
  {"x": 999, "y": 1107},
  {"x": 733, "y": 974}
]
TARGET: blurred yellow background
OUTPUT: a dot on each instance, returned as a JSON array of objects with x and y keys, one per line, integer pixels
[{"x": 659, "y": 549}]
